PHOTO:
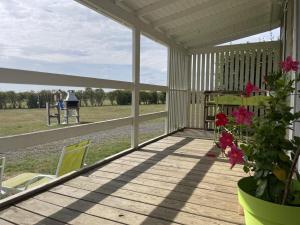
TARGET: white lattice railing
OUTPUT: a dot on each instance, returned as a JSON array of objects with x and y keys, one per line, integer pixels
[{"x": 229, "y": 68}]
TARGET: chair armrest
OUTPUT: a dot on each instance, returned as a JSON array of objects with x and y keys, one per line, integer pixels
[{"x": 36, "y": 178}]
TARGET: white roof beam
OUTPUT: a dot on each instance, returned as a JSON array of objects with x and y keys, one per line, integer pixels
[
  {"x": 210, "y": 13},
  {"x": 110, "y": 9},
  {"x": 199, "y": 9},
  {"x": 154, "y": 6}
]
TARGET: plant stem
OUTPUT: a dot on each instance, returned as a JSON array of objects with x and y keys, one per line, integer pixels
[{"x": 289, "y": 181}]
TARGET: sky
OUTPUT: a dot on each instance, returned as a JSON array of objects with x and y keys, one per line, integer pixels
[{"x": 62, "y": 36}]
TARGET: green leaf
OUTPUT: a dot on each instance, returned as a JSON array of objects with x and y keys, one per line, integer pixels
[
  {"x": 283, "y": 157},
  {"x": 261, "y": 187},
  {"x": 246, "y": 169}
]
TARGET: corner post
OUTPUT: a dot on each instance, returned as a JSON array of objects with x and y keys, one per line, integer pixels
[{"x": 136, "y": 39}]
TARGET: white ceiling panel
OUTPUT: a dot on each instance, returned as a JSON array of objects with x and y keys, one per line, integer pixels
[{"x": 198, "y": 23}]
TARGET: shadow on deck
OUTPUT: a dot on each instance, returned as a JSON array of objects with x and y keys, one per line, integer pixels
[{"x": 171, "y": 181}]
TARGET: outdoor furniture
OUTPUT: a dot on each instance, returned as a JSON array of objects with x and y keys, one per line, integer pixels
[{"x": 71, "y": 159}]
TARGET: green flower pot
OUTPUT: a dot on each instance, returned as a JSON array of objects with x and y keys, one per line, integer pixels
[{"x": 260, "y": 212}]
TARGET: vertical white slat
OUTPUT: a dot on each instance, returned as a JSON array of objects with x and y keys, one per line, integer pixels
[
  {"x": 167, "y": 108},
  {"x": 252, "y": 70},
  {"x": 247, "y": 67},
  {"x": 202, "y": 88},
  {"x": 185, "y": 81},
  {"x": 202, "y": 72},
  {"x": 263, "y": 70},
  {"x": 242, "y": 71},
  {"x": 217, "y": 72},
  {"x": 198, "y": 92},
  {"x": 136, "y": 87},
  {"x": 177, "y": 88},
  {"x": 212, "y": 71},
  {"x": 270, "y": 61},
  {"x": 258, "y": 68},
  {"x": 207, "y": 63},
  {"x": 226, "y": 76},
  {"x": 276, "y": 60},
  {"x": 171, "y": 91},
  {"x": 176, "y": 92},
  {"x": 181, "y": 89},
  {"x": 237, "y": 71},
  {"x": 252, "y": 66},
  {"x": 263, "y": 74},
  {"x": 231, "y": 72},
  {"x": 207, "y": 74},
  {"x": 193, "y": 91},
  {"x": 258, "y": 74},
  {"x": 221, "y": 72},
  {"x": 188, "y": 92}
]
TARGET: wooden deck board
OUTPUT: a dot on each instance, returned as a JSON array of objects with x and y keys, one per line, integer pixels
[{"x": 171, "y": 181}]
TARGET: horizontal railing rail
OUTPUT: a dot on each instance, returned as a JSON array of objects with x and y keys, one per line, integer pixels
[
  {"x": 20, "y": 142},
  {"x": 15, "y": 76}
]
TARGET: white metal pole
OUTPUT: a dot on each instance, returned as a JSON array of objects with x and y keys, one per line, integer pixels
[{"x": 136, "y": 39}]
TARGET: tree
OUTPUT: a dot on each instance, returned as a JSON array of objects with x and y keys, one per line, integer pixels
[
  {"x": 144, "y": 97},
  {"x": 20, "y": 99},
  {"x": 45, "y": 96},
  {"x": 12, "y": 99},
  {"x": 153, "y": 97},
  {"x": 85, "y": 97},
  {"x": 89, "y": 95},
  {"x": 111, "y": 97},
  {"x": 162, "y": 97},
  {"x": 99, "y": 96},
  {"x": 79, "y": 95},
  {"x": 123, "y": 97},
  {"x": 3, "y": 99},
  {"x": 32, "y": 100}
]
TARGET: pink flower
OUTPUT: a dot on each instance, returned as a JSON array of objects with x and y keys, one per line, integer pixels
[
  {"x": 235, "y": 156},
  {"x": 222, "y": 119},
  {"x": 250, "y": 88},
  {"x": 242, "y": 116},
  {"x": 225, "y": 140},
  {"x": 288, "y": 65}
]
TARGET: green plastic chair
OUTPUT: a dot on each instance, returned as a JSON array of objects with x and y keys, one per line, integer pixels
[{"x": 71, "y": 159}]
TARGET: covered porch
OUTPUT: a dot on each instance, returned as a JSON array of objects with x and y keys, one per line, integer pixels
[{"x": 179, "y": 177}]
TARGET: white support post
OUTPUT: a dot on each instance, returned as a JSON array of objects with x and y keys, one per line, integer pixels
[
  {"x": 167, "y": 120},
  {"x": 136, "y": 87}
]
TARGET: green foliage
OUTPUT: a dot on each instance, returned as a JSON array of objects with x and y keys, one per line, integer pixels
[
  {"x": 111, "y": 97},
  {"x": 32, "y": 100},
  {"x": 99, "y": 96},
  {"x": 269, "y": 153},
  {"x": 123, "y": 97},
  {"x": 162, "y": 97}
]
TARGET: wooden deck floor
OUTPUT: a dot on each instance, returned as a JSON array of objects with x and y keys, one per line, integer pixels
[{"x": 168, "y": 182}]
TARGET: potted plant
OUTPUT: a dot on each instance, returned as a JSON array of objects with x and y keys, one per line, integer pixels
[{"x": 271, "y": 193}]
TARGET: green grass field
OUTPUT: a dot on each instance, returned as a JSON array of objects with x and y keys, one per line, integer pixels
[{"x": 18, "y": 121}]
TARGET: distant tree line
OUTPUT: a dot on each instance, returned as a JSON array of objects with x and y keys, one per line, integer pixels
[{"x": 87, "y": 97}]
